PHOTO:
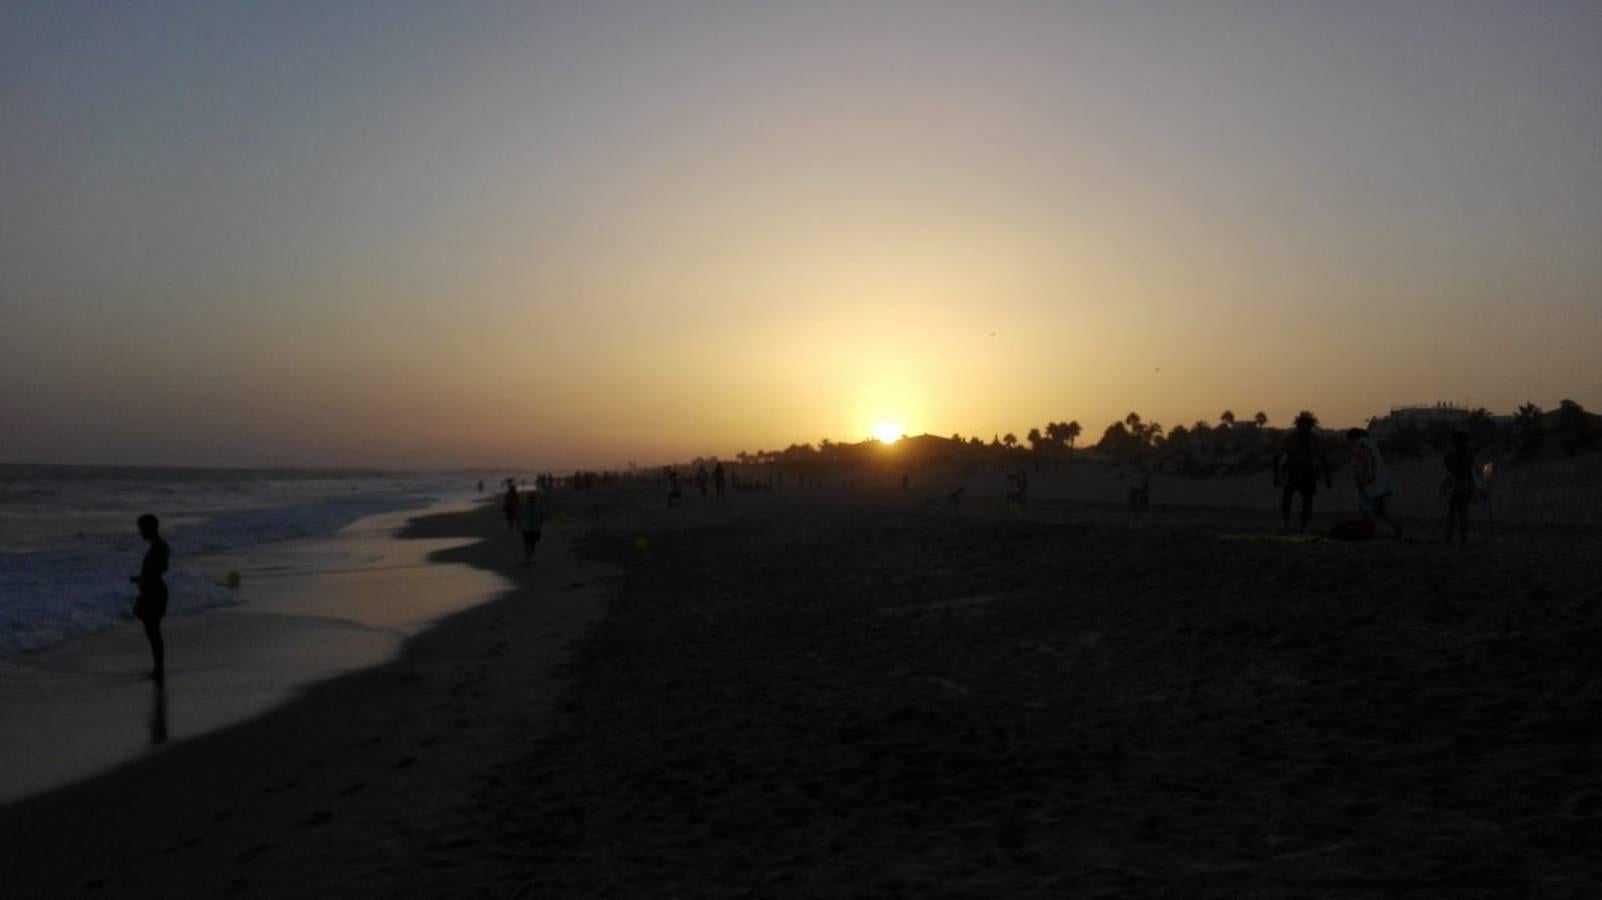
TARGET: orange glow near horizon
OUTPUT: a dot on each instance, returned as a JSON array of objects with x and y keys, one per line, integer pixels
[
  {"x": 887, "y": 432},
  {"x": 603, "y": 235}
]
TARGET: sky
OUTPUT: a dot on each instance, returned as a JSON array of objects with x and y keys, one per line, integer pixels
[{"x": 435, "y": 235}]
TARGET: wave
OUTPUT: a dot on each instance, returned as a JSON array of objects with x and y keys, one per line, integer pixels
[{"x": 53, "y": 595}]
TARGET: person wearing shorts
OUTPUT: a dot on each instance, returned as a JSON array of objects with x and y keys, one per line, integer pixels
[
  {"x": 152, "y": 602},
  {"x": 1372, "y": 478},
  {"x": 1460, "y": 487},
  {"x": 1297, "y": 467}
]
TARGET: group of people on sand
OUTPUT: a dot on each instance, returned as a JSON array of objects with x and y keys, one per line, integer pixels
[
  {"x": 525, "y": 513},
  {"x": 1300, "y": 465}
]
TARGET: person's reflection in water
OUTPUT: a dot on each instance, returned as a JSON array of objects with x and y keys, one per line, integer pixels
[{"x": 158, "y": 715}]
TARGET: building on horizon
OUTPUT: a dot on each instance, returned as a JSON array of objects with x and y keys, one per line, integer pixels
[{"x": 1423, "y": 416}]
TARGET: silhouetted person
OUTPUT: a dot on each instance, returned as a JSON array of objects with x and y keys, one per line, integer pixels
[
  {"x": 509, "y": 505},
  {"x": 530, "y": 519},
  {"x": 1020, "y": 490},
  {"x": 1460, "y": 486},
  {"x": 906, "y": 482},
  {"x": 1297, "y": 467},
  {"x": 719, "y": 478},
  {"x": 1372, "y": 478},
  {"x": 674, "y": 496},
  {"x": 1140, "y": 493},
  {"x": 701, "y": 479},
  {"x": 152, "y": 602},
  {"x": 481, "y": 485}
]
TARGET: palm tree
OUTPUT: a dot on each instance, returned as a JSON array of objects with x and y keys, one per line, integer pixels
[
  {"x": 1528, "y": 418},
  {"x": 1009, "y": 440},
  {"x": 1071, "y": 431},
  {"x": 1576, "y": 426},
  {"x": 1035, "y": 439},
  {"x": 1227, "y": 418},
  {"x": 1261, "y": 419},
  {"x": 1528, "y": 423}
]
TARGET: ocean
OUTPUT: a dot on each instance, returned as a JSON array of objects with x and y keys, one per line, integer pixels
[{"x": 68, "y": 542}]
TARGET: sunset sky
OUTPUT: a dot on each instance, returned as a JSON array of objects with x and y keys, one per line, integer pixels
[{"x": 437, "y": 235}]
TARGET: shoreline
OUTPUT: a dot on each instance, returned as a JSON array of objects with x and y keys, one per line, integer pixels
[
  {"x": 330, "y": 784},
  {"x": 293, "y": 622}
]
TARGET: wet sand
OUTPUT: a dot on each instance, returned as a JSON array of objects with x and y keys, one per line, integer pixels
[
  {"x": 331, "y": 793},
  {"x": 310, "y": 610}
]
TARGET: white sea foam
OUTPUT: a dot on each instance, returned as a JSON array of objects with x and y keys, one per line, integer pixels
[
  {"x": 49, "y": 597},
  {"x": 67, "y": 543}
]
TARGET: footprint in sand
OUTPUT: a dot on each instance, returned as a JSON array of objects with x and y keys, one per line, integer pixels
[
  {"x": 353, "y": 789},
  {"x": 252, "y": 853},
  {"x": 318, "y": 817},
  {"x": 406, "y": 762},
  {"x": 185, "y": 845}
]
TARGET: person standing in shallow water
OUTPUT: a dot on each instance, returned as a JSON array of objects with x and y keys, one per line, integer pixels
[
  {"x": 152, "y": 602},
  {"x": 1297, "y": 467}
]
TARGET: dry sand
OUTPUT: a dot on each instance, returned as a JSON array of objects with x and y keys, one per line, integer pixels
[
  {"x": 833, "y": 694},
  {"x": 866, "y": 697}
]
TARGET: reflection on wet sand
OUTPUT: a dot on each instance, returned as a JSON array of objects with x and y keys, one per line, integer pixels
[{"x": 158, "y": 715}]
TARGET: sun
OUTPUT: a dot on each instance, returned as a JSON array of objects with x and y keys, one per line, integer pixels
[{"x": 887, "y": 432}]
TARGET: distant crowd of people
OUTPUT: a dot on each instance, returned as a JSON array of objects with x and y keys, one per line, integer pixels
[{"x": 1299, "y": 467}]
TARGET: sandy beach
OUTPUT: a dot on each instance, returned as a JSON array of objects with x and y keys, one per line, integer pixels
[
  {"x": 870, "y": 697},
  {"x": 828, "y": 693},
  {"x": 343, "y": 788},
  {"x": 306, "y": 611}
]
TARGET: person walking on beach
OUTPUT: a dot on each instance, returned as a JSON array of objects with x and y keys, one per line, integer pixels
[
  {"x": 530, "y": 519},
  {"x": 701, "y": 478},
  {"x": 152, "y": 602},
  {"x": 1460, "y": 486},
  {"x": 1296, "y": 469},
  {"x": 509, "y": 504},
  {"x": 1373, "y": 479},
  {"x": 719, "y": 478}
]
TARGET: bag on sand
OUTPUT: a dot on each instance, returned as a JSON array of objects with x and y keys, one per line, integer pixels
[{"x": 1353, "y": 530}]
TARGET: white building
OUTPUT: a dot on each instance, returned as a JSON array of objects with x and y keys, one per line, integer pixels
[{"x": 1401, "y": 418}]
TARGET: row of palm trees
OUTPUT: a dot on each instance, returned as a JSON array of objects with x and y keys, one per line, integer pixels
[
  {"x": 1131, "y": 433},
  {"x": 1135, "y": 437}
]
